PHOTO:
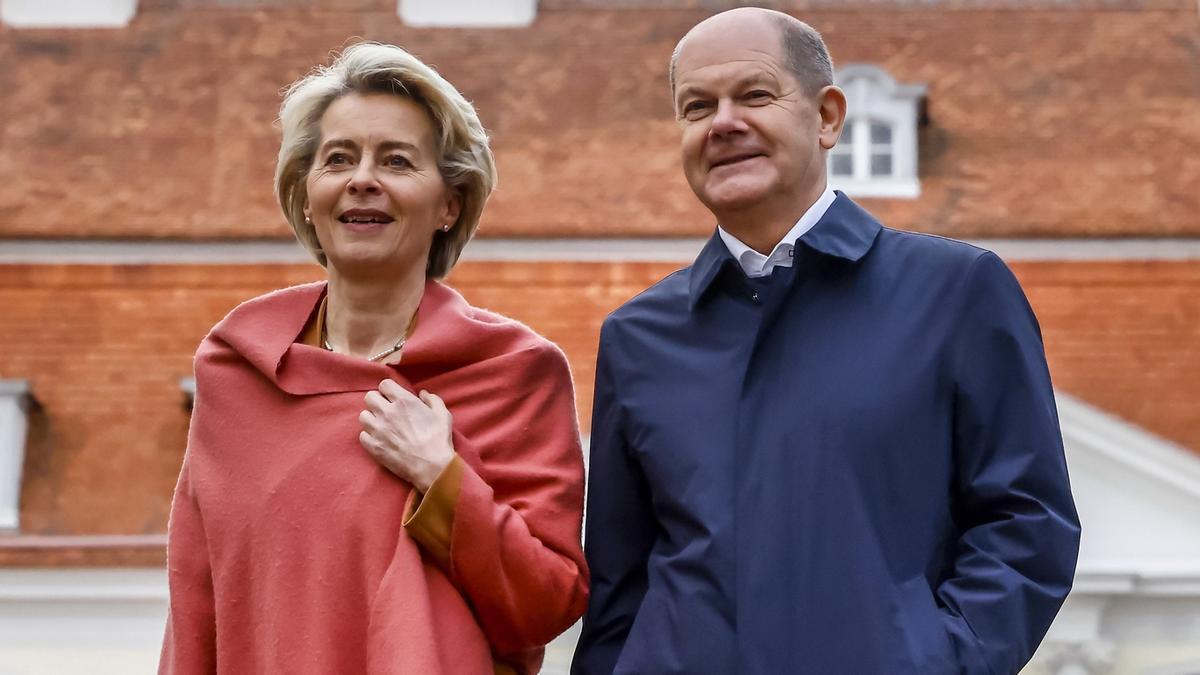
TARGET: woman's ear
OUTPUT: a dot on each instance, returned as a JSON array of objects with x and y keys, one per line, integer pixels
[{"x": 451, "y": 209}]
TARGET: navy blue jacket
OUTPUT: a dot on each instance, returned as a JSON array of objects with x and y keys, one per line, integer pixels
[{"x": 853, "y": 468}]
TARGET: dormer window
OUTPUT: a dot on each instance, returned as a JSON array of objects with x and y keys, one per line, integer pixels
[
  {"x": 876, "y": 155},
  {"x": 67, "y": 13},
  {"x": 467, "y": 13}
]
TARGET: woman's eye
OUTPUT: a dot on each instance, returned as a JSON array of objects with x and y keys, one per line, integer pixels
[
  {"x": 398, "y": 162},
  {"x": 337, "y": 159}
]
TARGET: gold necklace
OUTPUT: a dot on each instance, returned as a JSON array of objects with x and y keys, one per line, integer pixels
[{"x": 385, "y": 353}]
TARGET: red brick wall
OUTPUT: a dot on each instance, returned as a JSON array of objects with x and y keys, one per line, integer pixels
[
  {"x": 105, "y": 346},
  {"x": 1044, "y": 122}
]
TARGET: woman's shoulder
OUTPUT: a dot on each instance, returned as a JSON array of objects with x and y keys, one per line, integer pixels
[
  {"x": 260, "y": 322},
  {"x": 493, "y": 335}
]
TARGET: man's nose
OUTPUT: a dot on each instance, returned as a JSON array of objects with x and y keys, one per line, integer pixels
[
  {"x": 363, "y": 180},
  {"x": 727, "y": 119}
]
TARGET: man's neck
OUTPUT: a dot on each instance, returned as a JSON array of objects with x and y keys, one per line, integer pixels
[{"x": 763, "y": 225}]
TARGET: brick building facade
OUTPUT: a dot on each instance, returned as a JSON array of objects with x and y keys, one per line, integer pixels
[{"x": 1071, "y": 129}]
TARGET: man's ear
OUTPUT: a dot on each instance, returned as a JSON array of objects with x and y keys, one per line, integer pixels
[{"x": 831, "y": 104}]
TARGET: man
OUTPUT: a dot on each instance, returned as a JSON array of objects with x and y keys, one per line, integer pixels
[{"x": 825, "y": 447}]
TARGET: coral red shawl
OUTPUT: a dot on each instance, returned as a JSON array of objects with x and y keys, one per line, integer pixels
[{"x": 287, "y": 551}]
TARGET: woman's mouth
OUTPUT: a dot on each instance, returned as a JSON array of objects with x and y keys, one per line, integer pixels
[{"x": 365, "y": 217}]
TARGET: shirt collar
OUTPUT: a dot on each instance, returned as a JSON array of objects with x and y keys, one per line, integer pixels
[
  {"x": 845, "y": 231},
  {"x": 755, "y": 264}
]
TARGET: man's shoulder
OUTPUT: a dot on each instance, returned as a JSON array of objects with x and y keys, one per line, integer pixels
[
  {"x": 664, "y": 300},
  {"x": 666, "y": 295},
  {"x": 928, "y": 253}
]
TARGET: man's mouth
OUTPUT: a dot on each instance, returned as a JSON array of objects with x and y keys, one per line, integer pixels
[
  {"x": 735, "y": 159},
  {"x": 365, "y": 216}
]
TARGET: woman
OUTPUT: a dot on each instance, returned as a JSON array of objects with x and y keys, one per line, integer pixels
[{"x": 379, "y": 477}]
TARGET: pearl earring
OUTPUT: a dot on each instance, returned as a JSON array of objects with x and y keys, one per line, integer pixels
[{"x": 446, "y": 227}]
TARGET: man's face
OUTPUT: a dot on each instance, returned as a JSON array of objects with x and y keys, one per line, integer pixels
[{"x": 751, "y": 134}]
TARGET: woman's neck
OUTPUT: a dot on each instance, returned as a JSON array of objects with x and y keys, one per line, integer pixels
[{"x": 365, "y": 317}]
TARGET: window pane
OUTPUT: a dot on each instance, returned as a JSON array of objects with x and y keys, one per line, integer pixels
[
  {"x": 881, "y": 133},
  {"x": 840, "y": 165},
  {"x": 881, "y": 165},
  {"x": 847, "y": 136}
]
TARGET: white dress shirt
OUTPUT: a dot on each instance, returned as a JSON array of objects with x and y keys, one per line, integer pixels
[{"x": 755, "y": 264}]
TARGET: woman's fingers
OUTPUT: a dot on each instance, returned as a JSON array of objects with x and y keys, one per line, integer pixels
[
  {"x": 368, "y": 420},
  {"x": 376, "y": 402},
  {"x": 393, "y": 392},
  {"x": 366, "y": 440}
]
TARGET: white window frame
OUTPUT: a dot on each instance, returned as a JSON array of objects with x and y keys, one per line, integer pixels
[
  {"x": 67, "y": 13},
  {"x": 467, "y": 13},
  {"x": 873, "y": 96},
  {"x": 15, "y": 403}
]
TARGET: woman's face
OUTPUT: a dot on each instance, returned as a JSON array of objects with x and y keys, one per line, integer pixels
[{"x": 375, "y": 195}]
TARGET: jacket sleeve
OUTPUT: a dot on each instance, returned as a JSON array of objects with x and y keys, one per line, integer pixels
[
  {"x": 1018, "y": 530},
  {"x": 512, "y": 519},
  {"x": 189, "y": 645},
  {"x": 620, "y": 531}
]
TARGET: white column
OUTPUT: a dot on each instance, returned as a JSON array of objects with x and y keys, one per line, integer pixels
[
  {"x": 14, "y": 422},
  {"x": 467, "y": 13},
  {"x": 1075, "y": 644},
  {"x": 67, "y": 13},
  {"x": 1086, "y": 658}
]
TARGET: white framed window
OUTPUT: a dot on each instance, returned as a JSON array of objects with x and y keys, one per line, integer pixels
[
  {"x": 876, "y": 155},
  {"x": 15, "y": 402},
  {"x": 67, "y": 13},
  {"x": 467, "y": 13}
]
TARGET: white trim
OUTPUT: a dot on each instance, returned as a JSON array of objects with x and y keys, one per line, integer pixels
[
  {"x": 14, "y": 423},
  {"x": 629, "y": 249},
  {"x": 1139, "y": 450},
  {"x": 467, "y": 13},
  {"x": 82, "y": 584},
  {"x": 1093, "y": 580},
  {"x": 67, "y": 13},
  {"x": 906, "y": 188}
]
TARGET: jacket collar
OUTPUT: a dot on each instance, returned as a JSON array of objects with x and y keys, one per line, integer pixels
[{"x": 846, "y": 231}]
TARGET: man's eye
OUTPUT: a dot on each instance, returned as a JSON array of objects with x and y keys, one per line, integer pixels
[
  {"x": 758, "y": 95},
  {"x": 695, "y": 109}
]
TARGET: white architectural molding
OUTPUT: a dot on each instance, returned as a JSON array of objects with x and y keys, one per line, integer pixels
[
  {"x": 628, "y": 249},
  {"x": 1138, "y": 497},
  {"x": 874, "y": 98},
  {"x": 467, "y": 13},
  {"x": 100, "y": 621},
  {"x": 67, "y": 13},
  {"x": 15, "y": 402}
]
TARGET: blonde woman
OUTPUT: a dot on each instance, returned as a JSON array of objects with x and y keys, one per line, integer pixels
[{"x": 380, "y": 478}]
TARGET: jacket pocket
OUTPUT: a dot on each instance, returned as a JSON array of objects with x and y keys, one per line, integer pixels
[{"x": 929, "y": 649}]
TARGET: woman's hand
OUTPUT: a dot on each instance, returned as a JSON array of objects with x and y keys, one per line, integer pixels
[{"x": 408, "y": 435}]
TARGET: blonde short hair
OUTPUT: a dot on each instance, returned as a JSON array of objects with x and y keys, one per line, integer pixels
[{"x": 464, "y": 158}]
